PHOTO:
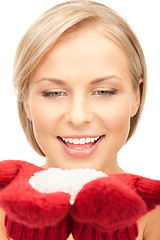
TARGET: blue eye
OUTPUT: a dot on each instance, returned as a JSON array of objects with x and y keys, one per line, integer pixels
[
  {"x": 105, "y": 92},
  {"x": 102, "y": 93},
  {"x": 53, "y": 94}
]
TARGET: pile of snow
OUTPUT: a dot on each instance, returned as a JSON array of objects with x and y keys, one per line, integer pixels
[{"x": 68, "y": 181}]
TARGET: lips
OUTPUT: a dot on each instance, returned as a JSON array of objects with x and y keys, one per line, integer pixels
[{"x": 80, "y": 147}]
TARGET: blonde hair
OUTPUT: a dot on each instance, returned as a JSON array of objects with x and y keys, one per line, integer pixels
[{"x": 54, "y": 26}]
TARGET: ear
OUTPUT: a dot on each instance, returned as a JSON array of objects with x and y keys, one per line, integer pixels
[
  {"x": 27, "y": 109},
  {"x": 136, "y": 99}
]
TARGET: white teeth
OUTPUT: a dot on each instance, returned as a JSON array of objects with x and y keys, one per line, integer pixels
[
  {"x": 87, "y": 140},
  {"x": 80, "y": 140},
  {"x": 75, "y": 141},
  {"x": 70, "y": 140},
  {"x": 92, "y": 140}
]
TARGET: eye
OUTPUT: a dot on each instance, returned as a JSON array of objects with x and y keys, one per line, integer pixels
[
  {"x": 54, "y": 94},
  {"x": 104, "y": 92}
]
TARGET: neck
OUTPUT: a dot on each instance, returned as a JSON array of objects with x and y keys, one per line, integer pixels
[{"x": 111, "y": 167}]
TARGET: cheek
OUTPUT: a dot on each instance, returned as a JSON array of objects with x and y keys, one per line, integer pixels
[
  {"x": 44, "y": 118},
  {"x": 117, "y": 117},
  {"x": 121, "y": 119}
]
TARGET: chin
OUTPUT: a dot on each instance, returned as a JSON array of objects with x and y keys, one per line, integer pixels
[{"x": 80, "y": 163}]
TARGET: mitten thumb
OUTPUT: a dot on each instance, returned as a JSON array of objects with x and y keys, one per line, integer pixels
[
  {"x": 8, "y": 170},
  {"x": 149, "y": 190}
]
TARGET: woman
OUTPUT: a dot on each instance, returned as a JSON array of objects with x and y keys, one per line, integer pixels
[{"x": 80, "y": 77}]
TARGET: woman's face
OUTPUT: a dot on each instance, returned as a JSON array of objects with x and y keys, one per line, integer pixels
[{"x": 80, "y": 102}]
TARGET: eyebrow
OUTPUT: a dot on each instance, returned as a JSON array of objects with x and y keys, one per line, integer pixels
[
  {"x": 95, "y": 81},
  {"x": 110, "y": 77}
]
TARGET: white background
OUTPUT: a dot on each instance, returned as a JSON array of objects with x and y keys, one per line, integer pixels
[{"x": 142, "y": 154}]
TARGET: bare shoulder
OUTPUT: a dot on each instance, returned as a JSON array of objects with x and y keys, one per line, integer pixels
[
  {"x": 2, "y": 227},
  {"x": 152, "y": 229}
]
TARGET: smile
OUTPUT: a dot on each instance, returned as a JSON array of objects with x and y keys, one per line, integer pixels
[{"x": 80, "y": 147}]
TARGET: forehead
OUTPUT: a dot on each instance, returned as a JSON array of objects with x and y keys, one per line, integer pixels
[{"x": 86, "y": 53}]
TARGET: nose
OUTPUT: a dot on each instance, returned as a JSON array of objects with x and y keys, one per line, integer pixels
[{"x": 79, "y": 112}]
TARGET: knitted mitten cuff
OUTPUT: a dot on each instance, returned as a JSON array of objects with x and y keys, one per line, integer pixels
[
  {"x": 18, "y": 231},
  {"x": 88, "y": 232}
]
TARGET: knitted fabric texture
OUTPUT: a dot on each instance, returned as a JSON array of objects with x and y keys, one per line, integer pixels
[
  {"x": 105, "y": 208},
  {"x": 18, "y": 231}
]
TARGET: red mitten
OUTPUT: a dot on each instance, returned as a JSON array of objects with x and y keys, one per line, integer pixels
[
  {"x": 147, "y": 189},
  {"x": 108, "y": 205},
  {"x": 26, "y": 206},
  {"x": 8, "y": 170},
  {"x": 104, "y": 207},
  {"x": 109, "y": 208},
  {"x": 88, "y": 232}
]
